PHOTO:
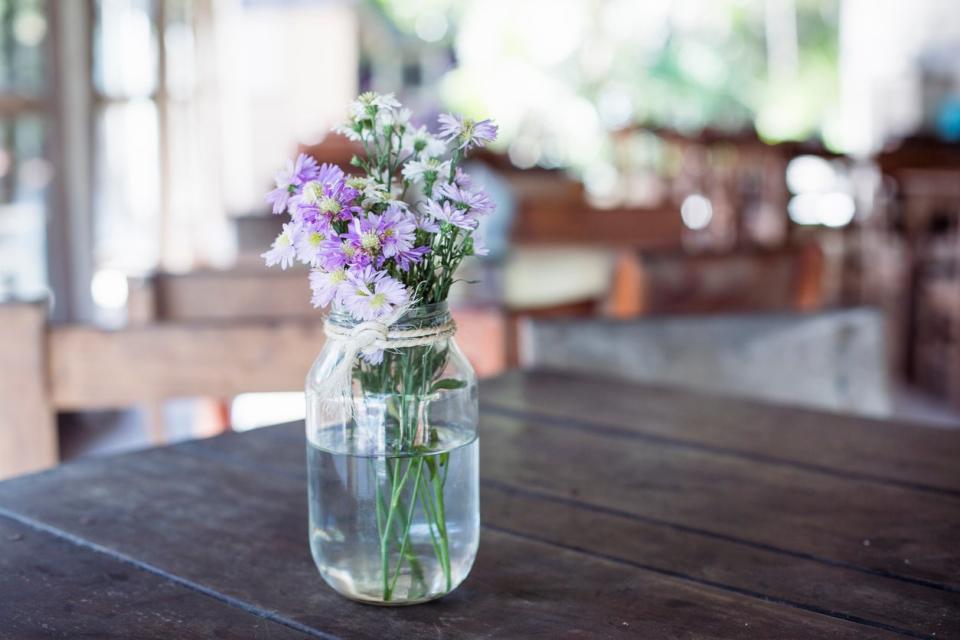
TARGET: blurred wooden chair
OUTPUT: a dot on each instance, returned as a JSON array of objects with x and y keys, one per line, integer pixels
[
  {"x": 833, "y": 360},
  {"x": 788, "y": 279},
  {"x": 553, "y": 282}
]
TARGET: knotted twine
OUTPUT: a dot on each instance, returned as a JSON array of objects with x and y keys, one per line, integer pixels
[{"x": 367, "y": 338}]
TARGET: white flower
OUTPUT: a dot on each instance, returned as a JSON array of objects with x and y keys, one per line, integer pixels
[
  {"x": 370, "y": 101},
  {"x": 349, "y": 132},
  {"x": 422, "y": 143},
  {"x": 312, "y": 192},
  {"x": 395, "y": 117},
  {"x": 373, "y": 193},
  {"x": 417, "y": 171},
  {"x": 282, "y": 251},
  {"x": 308, "y": 244}
]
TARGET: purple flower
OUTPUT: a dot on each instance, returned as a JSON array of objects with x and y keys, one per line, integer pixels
[
  {"x": 479, "y": 246},
  {"x": 476, "y": 202},
  {"x": 466, "y": 132},
  {"x": 290, "y": 178},
  {"x": 326, "y": 285},
  {"x": 375, "y": 238},
  {"x": 397, "y": 229},
  {"x": 405, "y": 259},
  {"x": 462, "y": 179},
  {"x": 364, "y": 236},
  {"x": 426, "y": 224},
  {"x": 338, "y": 251},
  {"x": 449, "y": 213},
  {"x": 372, "y": 295},
  {"x": 311, "y": 241},
  {"x": 327, "y": 197}
]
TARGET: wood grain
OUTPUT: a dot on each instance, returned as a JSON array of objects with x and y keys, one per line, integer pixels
[
  {"x": 880, "y": 527},
  {"x": 246, "y": 526},
  {"x": 592, "y": 528},
  {"x": 856, "y": 447},
  {"x": 574, "y": 518},
  {"x": 51, "y": 587}
]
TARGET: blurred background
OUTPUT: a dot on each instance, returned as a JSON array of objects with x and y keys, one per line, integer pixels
[{"x": 749, "y": 197}]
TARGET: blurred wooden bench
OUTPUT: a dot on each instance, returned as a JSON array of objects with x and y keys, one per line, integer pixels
[
  {"x": 48, "y": 369},
  {"x": 189, "y": 337}
]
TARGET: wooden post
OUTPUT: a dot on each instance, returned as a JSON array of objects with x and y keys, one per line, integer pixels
[{"x": 28, "y": 432}]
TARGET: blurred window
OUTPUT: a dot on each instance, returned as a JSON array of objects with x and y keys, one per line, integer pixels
[
  {"x": 25, "y": 170},
  {"x": 196, "y": 106}
]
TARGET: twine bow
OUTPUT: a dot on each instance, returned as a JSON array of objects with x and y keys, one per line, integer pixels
[{"x": 367, "y": 338}]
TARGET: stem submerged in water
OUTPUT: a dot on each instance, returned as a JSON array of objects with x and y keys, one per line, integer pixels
[{"x": 403, "y": 485}]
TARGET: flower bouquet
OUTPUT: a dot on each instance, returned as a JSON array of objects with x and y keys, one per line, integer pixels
[{"x": 391, "y": 401}]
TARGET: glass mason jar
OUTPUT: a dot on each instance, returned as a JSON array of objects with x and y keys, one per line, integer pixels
[{"x": 393, "y": 467}]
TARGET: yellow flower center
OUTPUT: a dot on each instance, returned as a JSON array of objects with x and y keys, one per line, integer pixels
[
  {"x": 329, "y": 205},
  {"x": 370, "y": 241},
  {"x": 377, "y": 300},
  {"x": 316, "y": 238},
  {"x": 313, "y": 191}
]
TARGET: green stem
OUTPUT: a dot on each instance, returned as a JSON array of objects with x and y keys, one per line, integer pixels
[
  {"x": 439, "y": 515},
  {"x": 408, "y": 520},
  {"x": 416, "y": 571}
]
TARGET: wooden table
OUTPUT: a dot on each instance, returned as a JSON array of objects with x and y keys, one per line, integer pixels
[{"x": 609, "y": 510}]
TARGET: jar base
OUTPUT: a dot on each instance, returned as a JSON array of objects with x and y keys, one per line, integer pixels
[{"x": 381, "y": 603}]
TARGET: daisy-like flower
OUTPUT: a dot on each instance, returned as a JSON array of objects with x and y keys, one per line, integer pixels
[
  {"x": 351, "y": 131},
  {"x": 326, "y": 285},
  {"x": 409, "y": 257},
  {"x": 426, "y": 224},
  {"x": 420, "y": 171},
  {"x": 310, "y": 242},
  {"x": 476, "y": 202},
  {"x": 462, "y": 179},
  {"x": 478, "y": 246},
  {"x": 365, "y": 237},
  {"x": 283, "y": 251},
  {"x": 397, "y": 118},
  {"x": 421, "y": 142},
  {"x": 335, "y": 252},
  {"x": 451, "y": 214},
  {"x": 397, "y": 229},
  {"x": 326, "y": 198},
  {"x": 372, "y": 295},
  {"x": 290, "y": 178},
  {"x": 369, "y": 103},
  {"x": 465, "y": 132}
]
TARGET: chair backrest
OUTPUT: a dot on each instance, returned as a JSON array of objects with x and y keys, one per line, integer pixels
[
  {"x": 786, "y": 279},
  {"x": 833, "y": 360}
]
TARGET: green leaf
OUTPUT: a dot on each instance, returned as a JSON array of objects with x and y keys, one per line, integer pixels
[{"x": 447, "y": 383}]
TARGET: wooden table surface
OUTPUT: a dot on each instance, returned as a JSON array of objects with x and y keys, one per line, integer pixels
[{"x": 609, "y": 510}]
